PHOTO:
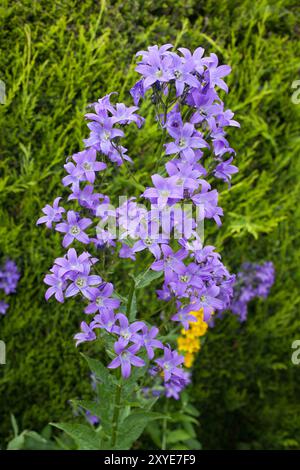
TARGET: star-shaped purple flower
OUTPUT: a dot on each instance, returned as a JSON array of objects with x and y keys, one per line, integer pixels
[
  {"x": 187, "y": 139},
  {"x": 53, "y": 213},
  {"x": 87, "y": 165},
  {"x": 127, "y": 332},
  {"x": 87, "y": 334},
  {"x": 102, "y": 301},
  {"x": 74, "y": 229},
  {"x": 126, "y": 358}
]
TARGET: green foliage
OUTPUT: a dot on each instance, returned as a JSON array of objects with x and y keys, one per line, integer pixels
[
  {"x": 56, "y": 58},
  {"x": 121, "y": 424}
]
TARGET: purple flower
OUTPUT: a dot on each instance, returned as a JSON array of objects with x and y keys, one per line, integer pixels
[
  {"x": 56, "y": 283},
  {"x": 9, "y": 277},
  {"x": 186, "y": 140},
  {"x": 214, "y": 74},
  {"x": 124, "y": 115},
  {"x": 105, "y": 320},
  {"x": 72, "y": 263},
  {"x": 208, "y": 201},
  {"x": 74, "y": 229},
  {"x": 53, "y": 213},
  {"x": 92, "y": 419},
  {"x": 87, "y": 334},
  {"x": 155, "y": 67},
  {"x": 137, "y": 92},
  {"x": 72, "y": 178},
  {"x": 149, "y": 342},
  {"x": 127, "y": 332},
  {"x": 171, "y": 261},
  {"x": 209, "y": 301},
  {"x": 3, "y": 307},
  {"x": 252, "y": 281},
  {"x": 174, "y": 120},
  {"x": 175, "y": 385},
  {"x": 166, "y": 191},
  {"x": 149, "y": 239},
  {"x": 126, "y": 252},
  {"x": 182, "y": 73},
  {"x": 87, "y": 198},
  {"x": 188, "y": 175},
  {"x": 184, "y": 317},
  {"x": 126, "y": 358},
  {"x": 224, "y": 170},
  {"x": 87, "y": 165},
  {"x": 102, "y": 134},
  {"x": 83, "y": 283},
  {"x": 170, "y": 364},
  {"x": 102, "y": 301}
]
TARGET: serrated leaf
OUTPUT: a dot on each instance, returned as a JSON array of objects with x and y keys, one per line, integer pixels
[
  {"x": 84, "y": 436},
  {"x": 133, "y": 426},
  {"x": 92, "y": 406},
  {"x": 101, "y": 372},
  {"x": 146, "y": 278}
]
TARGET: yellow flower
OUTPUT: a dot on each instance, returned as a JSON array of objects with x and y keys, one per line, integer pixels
[
  {"x": 189, "y": 342},
  {"x": 188, "y": 360}
]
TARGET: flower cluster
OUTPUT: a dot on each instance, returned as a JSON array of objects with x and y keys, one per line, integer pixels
[
  {"x": 9, "y": 278},
  {"x": 184, "y": 85},
  {"x": 189, "y": 341},
  {"x": 193, "y": 119},
  {"x": 254, "y": 280}
]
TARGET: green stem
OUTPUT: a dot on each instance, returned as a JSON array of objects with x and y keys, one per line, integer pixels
[
  {"x": 116, "y": 414},
  {"x": 164, "y": 429}
]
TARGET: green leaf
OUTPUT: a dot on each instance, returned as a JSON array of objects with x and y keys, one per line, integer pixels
[
  {"x": 146, "y": 278},
  {"x": 193, "y": 444},
  {"x": 101, "y": 372},
  {"x": 178, "y": 435},
  {"x": 84, "y": 436},
  {"x": 14, "y": 425},
  {"x": 133, "y": 308},
  {"x": 92, "y": 406},
  {"x": 133, "y": 426},
  {"x": 17, "y": 443}
]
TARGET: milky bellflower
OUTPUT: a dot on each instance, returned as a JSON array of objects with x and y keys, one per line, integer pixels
[{"x": 184, "y": 90}]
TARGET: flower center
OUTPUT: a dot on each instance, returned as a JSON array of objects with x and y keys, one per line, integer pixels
[
  {"x": 202, "y": 298},
  {"x": 182, "y": 142},
  {"x": 148, "y": 241},
  {"x": 125, "y": 334},
  {"x": 159, "y": 73},
  {"x": 75, "y": 230},
  {"x": 99, "y": 301},
  {"x": 80, "y": 282},
  {"x": 106, "y": 135},
  {"x": 87, "y": 166},
  {"x": 165, "y": 193},
  {"x": 178, "y": 74},
  {"x": 184, "y": 278}
]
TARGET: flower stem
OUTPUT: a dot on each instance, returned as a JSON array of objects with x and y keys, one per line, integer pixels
[
  {"x": 164, "y": 429},
  {"x": 115, "y": 420}
]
